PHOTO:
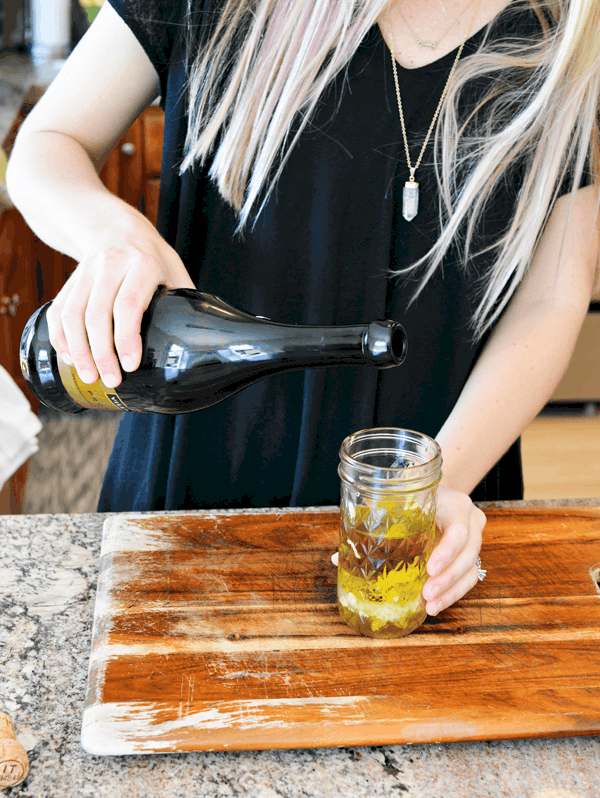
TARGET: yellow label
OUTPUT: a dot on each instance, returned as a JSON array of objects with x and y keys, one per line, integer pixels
[{"x": 97, "y": 395}]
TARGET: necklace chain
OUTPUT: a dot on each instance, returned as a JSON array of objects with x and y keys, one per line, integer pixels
[
  {"x": 433, "y": 44},
  {"x": 414, "y": 168}
]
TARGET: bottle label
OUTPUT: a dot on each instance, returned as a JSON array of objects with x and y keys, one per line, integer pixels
[{"x": 95, "y": 396}]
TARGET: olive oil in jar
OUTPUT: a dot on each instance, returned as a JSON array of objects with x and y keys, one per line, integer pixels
[
  {"x": 387, "y": 529},
  {"x": 382, "y": 568}
]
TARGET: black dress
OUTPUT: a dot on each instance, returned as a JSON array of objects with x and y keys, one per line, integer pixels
[{"x": 320, "y": 253}]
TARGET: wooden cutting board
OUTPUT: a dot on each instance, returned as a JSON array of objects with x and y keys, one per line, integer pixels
[{"x": 220, "y": 631}]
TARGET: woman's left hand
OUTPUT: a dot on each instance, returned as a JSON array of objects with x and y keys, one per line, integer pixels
[{"x": 452, "y": 566}]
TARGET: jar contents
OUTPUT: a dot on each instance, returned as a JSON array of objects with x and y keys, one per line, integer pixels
[{"x": 382, "y": 565}]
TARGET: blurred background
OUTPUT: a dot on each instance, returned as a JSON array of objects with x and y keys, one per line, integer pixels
[
  {"x": 561, "y": 448},
  {"x": 46, "y": 29}
]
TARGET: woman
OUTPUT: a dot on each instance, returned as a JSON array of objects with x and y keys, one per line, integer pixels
[{"x": 290, "y": 132}]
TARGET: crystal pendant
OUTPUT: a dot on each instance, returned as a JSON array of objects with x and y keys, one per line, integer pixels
[
  {"x": 410, "y": 200},
  {"x": 430, "y": 45}
]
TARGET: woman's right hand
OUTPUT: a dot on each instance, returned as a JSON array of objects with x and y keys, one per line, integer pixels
[{"x": 95, "y": 320}]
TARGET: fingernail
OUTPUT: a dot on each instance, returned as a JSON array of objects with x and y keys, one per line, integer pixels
[
  {"x": 87, "y": 376},
  {"x": 434, "y": 610},
  {"x": 67, "y": 358},
  {"x": 435, "y": 569},
  {"x": 127, "y": 363},
  {"x": 434, "y": 593},
  {"x": 110, "y": 380}
]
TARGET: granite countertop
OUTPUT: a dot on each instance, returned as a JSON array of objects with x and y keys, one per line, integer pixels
[{"x": 48, "y": 575}]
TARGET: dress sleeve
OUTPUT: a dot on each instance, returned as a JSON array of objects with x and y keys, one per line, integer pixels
[{"x": 156, "y": 24}]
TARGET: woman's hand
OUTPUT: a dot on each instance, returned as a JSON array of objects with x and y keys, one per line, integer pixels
[
  {"x": 452, "y": 565},
  {"x": 100, "y": 307}
]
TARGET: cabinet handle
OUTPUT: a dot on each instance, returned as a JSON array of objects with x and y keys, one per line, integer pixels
[
  {"x": 9, "y": 304},
  {"x": 128, "y": 148}
]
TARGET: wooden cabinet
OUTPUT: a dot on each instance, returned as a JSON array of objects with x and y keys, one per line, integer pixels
[
  {"x": 31, "y": 273},
  {"x": 132, "y": 172}
]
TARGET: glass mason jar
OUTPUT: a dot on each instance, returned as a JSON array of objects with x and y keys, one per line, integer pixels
[{"x": 387, "y": 528}]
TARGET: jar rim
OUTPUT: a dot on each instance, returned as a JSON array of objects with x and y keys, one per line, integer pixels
[{"x": 403, "y": 476}]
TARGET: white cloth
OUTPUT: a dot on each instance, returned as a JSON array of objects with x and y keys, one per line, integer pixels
[{"x": 19, "y": 427}]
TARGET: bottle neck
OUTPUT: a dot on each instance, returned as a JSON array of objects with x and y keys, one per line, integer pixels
[
  {"x": 206, "y": 319},
  {"x": 380, "y": 343}
]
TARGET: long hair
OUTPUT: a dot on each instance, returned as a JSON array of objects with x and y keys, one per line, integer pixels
[{"x": 266, "y": 63}]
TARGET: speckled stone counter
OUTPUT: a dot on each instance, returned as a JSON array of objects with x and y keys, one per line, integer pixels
[{"x": 48, "y": 574}]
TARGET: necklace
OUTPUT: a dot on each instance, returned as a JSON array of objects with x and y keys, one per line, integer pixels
[
  {"x": 433, "y": 44},
  {"x": 410, "y": 194}
]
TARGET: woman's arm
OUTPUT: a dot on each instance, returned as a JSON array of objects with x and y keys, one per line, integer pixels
[
  {"x": 513, "y": 379},
  {"x": 52, "y": 178},
  {"x": 63, "y": 143}
]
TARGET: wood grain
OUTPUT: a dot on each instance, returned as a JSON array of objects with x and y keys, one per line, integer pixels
[{"x": 220, "y": 631}]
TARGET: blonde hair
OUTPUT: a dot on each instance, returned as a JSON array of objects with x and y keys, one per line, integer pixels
[{"x": 266, "y": 63}]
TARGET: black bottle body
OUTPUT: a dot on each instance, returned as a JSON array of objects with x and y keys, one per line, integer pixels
[{"x": 197, "y": 351}]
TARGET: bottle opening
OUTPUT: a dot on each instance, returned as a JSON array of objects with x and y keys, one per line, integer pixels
[{"x": 399, "y": 343}]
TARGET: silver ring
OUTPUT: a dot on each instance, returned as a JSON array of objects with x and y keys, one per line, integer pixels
[{"x": 481, "y": 574}]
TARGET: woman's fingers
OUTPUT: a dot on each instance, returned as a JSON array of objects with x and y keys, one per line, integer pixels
[
  {"x": 452, "y": 564},
  {"x": 457, "y": 590},
  {"x": 132, "y": 300},
  {"x": 55, "y": 327},
  {"x": 143, "y": 277},
  {"x": 96, "y": 318},
  {"x": 71, "y": 319},
  {"x": 123, "y": 286},
  {"x": 99, "y": 321},
  {"x": 460, "y": 522},
  {"x": 455, "y": 537},
  {"x": 445, "y": 588}
]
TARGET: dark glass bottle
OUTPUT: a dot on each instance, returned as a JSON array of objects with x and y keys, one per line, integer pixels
[{"x": 197, "y": 351}]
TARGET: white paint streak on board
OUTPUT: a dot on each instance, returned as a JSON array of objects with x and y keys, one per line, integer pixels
[
  {"x": 121, "y": 535},
  {"x": 117, "y": 729},
  {"x": 200, "y": 645},
  {"x": 127, "y": 532},
  {"x": 102, "y": 627}
]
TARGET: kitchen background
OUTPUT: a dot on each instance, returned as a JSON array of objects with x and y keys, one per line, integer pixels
[{"x": 561, "y": 448}]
